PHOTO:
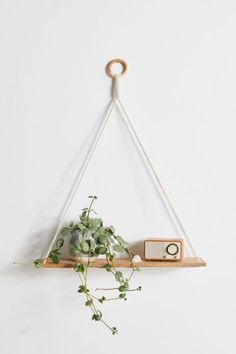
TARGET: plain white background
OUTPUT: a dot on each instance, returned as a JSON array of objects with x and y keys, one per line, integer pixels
[{"x": 180, "y": 92}]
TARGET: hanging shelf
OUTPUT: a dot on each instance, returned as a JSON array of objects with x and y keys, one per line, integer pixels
[
  {"x": 193, "y": 261},
  {"x": 126, "y": 263}
]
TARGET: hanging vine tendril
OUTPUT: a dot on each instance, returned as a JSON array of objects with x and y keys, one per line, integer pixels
[{"x": 89, "y": 238}]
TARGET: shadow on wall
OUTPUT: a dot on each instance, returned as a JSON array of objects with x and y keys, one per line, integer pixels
[
  {"x": 44, "y": 227},
  {"x": 137, "y": 248}
]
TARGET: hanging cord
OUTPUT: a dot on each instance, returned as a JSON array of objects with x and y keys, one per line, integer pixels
[
  {"x": 164, "y": 196},
  {"x": 115, "y": 88},
  {"x": 158, "y": 184},
  {"x": 80, "y": 175}
]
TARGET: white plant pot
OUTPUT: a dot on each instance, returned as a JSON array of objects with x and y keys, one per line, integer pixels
[{"x": 85, "y": 259}]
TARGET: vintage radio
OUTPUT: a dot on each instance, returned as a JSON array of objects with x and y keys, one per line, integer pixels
[{"x": 161, "y": 249}]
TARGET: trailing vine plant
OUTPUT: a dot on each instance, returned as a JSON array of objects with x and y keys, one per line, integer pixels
[{"x": 90, "y": 238}]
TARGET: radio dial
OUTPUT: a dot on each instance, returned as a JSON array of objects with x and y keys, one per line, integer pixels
[{"x": 172, "y": 249}]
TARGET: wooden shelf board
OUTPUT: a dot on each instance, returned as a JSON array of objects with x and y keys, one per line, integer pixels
[{"x": 126, "y": 263}]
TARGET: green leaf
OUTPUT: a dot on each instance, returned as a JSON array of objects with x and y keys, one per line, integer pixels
[
  {"x": 80, "y": 238},
  {"x": 101, "y": 250},
  {"x": 114, "y": 330},
  {"x": 112, "y": 229},
  {"x": 94, "y": 224},
  {"x": 38, "y": 263},
  {"x": 55, "y": 259},
  {"x": 110, "y": 256},
  {"x": 101, "y": 230},
  {"x": 55, "y": 256},
  {"x": 122, "y": 288},
  {"x": 82, "y": 289},
  {"x": 92, "y": 244},
  {"x": 108, "y": 267},
  {"x": 122, "y": 295},
  {"x": 85, "y": 246},
  {"x": 102, "y": 299},
  {"x": 60, "y": 242},
  {"x": 109, "y": 231},
  {"x": 73, "y": 249},
  {"x": 97, "y": 316},
  {"x": 81, "y": 226},
  {"x": 126, "y": 285},
  {"x": 102, "y": 239},
  {"x": 89, "y": 303},
  {"x": 75, "y": 227},
  {"x": 65, "y": 231},
  {"x": 79, "y": 267},
  {"x": 119, "y": 274},
  {"x": 118, "y": 248}
]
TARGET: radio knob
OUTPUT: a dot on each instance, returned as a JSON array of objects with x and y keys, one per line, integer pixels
[{"x": 172, "y": 249}]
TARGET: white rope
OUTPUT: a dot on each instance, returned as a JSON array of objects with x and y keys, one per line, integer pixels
[
  {"x": 150, "y": 168},
  {"x": 115, "y": 88},
  {"x": 80, "y": 175},
  {"x": 156, "y": 179}
]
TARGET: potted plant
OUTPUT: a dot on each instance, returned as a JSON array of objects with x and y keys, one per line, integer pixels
[{"x": 88, "y": 239}]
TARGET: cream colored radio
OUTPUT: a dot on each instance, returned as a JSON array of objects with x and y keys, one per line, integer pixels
[{"x": 161, "y": 249}]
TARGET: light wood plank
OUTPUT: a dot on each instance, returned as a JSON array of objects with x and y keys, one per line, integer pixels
[{"x": 126, "y": 263}]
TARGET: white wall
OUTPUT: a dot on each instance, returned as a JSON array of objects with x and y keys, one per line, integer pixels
[{"x": 180, "y": 92}]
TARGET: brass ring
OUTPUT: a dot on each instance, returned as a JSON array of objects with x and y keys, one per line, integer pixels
[{"x": 114, "y": 61}]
